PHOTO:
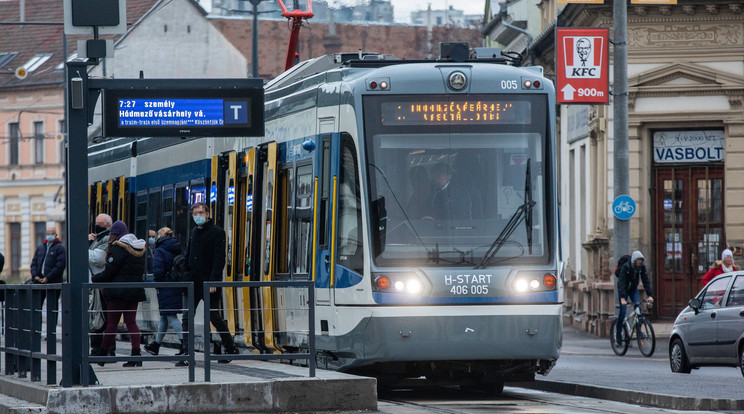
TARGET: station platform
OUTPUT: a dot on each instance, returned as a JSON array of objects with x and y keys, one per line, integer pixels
[{"x": 160, "y": 387}]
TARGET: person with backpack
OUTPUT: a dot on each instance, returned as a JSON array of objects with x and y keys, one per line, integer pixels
[
  {"x": 719, "y": 267},
  {"x": 630, "y": 274},
  {"x": 170, "y": 300}
]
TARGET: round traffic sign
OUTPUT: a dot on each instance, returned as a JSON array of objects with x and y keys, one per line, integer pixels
[{"x": 623, "y": 207}]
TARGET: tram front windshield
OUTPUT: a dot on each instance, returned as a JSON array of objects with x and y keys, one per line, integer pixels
[{"x": 444, "y": 192}]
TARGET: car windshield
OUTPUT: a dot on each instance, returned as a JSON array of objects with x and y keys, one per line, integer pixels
[{"x": 449, "y": 192}]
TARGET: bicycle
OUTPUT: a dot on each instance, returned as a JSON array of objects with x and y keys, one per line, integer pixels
[{"x": 644, "y": 332}]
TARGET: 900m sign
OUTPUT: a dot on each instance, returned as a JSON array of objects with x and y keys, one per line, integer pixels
[{"x": 468, "y": 284}]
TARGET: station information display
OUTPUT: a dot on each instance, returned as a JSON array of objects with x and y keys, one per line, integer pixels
[
  {"x": 167, "y": 111},
  {"x": 460, "y": 112}
]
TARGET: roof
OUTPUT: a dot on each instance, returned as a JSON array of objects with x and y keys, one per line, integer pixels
[
  {"x": 33, "y": 41},
  {"x": 405, "y": 42}
]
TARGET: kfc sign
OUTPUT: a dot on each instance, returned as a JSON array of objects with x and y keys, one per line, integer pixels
[{"x": 582, "y": 66}]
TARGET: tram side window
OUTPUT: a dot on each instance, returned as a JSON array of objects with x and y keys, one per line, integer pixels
[
  {"x": 284, "y": 221},
  {"x": 140, "y": 224},
  {"x": 153, "y": 212},
  {"x": 182, "y": 216},
  {"x": 167, "y": 218},
  {"x": 303, "y": 226},
  {"x": 349, "y": 240}
]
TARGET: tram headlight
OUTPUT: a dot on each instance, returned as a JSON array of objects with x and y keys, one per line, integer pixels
[
  {"x": 399, "y": 283},
  {"x": 521, "y": 285},
  {"x": 413, "y": 286},
  {"x": 534, "y": 284}
]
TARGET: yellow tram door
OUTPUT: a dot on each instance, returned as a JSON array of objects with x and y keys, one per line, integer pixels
[
  {"x": 121, "y": 199},
  {"x": 99, "y": 198},
  {"x": 268, "y": 253},
  {"x": 110, "y": 199},
  {"x": 231, "y": 216},
  {"x": 249, "y": 296}
]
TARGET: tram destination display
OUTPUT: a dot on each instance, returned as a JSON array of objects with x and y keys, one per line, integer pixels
[
  {"x": 173, "y": 112},
  {"x": 456, "y": 112}
]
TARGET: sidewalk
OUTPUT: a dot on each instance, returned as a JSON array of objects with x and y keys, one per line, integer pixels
[
  {"x": 588, "y": 367},
  {"x": 237, "y": 387}
]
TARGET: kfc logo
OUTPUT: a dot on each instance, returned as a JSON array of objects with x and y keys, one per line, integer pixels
[{"x": 583, "y": 56}]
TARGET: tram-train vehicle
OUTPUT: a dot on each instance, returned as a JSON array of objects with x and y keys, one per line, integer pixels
[{"x": 420, "y": 196}]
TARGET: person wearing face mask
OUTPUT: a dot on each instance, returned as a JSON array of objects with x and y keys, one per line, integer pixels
[
  {"x": 205, "y": 258},
  {"x": 49, "y": 262},
  {"x": 98, "y": 242},
  {"x": 719, "y": 267},
  {"x": 150, "y": 251}
]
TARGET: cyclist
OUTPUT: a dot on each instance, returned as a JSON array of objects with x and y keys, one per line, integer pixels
[{"x": 627, "y": 288}]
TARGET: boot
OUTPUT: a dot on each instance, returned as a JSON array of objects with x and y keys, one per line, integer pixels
[
  {"x": 135, "y": 352},
  {"x": 183, "y": 351},
  {"x": 153, "y": 348},
  {"x": 99, "y": 352},
  {"x": 229, "y": 350},
  {"x": 184, "y": 348}
]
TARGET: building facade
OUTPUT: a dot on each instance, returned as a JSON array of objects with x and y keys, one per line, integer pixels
[
  {"x": 686, "y": 147},
  {"x": 169, "y": 39}
]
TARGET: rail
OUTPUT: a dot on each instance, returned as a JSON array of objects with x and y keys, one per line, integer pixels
[{"x": 21, "y": 326}]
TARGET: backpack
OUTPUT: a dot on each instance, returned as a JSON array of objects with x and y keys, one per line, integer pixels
[
  {"x": 620, "y": 263},
  {"x": 178, "y": 268}
]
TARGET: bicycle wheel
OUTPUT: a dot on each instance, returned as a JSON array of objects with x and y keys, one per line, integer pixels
[
  {"x": 619, "y": 349},
  {"x": 646, "y": 338}
]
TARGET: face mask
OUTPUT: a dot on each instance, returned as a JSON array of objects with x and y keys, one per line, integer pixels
[
  {"x": 50, "y": 238},
  {"x": 100, "y": 229},
  {"x": 151, "y": 240},
  {"x": 199, "y": 220}
]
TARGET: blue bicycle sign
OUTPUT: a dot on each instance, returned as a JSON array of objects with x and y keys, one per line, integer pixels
[{"x": 623, "y": 207}]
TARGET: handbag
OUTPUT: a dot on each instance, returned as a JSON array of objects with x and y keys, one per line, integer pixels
[{"x": 96, "y": 317}]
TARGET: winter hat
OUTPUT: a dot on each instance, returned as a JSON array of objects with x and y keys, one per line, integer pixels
[
  {"x": 118, "y": 228},
  {"x": 728, "y": 253}
]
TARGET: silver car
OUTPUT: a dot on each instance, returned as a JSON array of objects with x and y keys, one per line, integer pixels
[{"x": 710, "y": 331}]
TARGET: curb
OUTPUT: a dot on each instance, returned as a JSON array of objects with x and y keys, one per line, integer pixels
[{"x": 634, "y": 397}]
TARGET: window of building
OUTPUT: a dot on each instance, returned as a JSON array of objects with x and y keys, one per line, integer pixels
[
  {"x": 36, "y": 61},
  {"x": 39, "y": 142},
  {"x": 6, "y": 57},
  {"x": 15, "y": 248},
  {"x": 39, "y": 232},
  {"x": 14, "y": 132},
  {"x": 62, "y": 129}
]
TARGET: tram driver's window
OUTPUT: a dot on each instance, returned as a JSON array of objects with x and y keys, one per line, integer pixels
[{"x": 350, "y": 252}]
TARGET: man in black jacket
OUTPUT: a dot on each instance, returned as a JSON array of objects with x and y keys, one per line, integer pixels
[
  {"x": 49, "y": 263},
  {"x": 632, "y": 272},
  {"x": 205, "y": 256}
]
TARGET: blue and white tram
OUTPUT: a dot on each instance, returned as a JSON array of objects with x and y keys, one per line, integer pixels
[{"x": 420, "y": 196}]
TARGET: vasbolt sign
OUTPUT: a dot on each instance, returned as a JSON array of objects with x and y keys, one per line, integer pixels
[{"x": 582, "y": 66}]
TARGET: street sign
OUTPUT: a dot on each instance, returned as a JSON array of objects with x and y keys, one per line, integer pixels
[
  {"x": 653, "y": 1},
  {"x": 108, "y": 16},
  {"x": 582, "y": 1},
  {"x": 623, "y": 207},
  {"x": 184, "y": 108},
  {"x": 582, "y": 65}
]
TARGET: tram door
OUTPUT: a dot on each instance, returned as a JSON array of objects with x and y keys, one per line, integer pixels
[
  {"x": 217, "y": 199},
  {"x": 121, "y": 199},
  {"x": 231, "y": 215},
  {"x": 325, "y": 213},
  {"x": 251, "y": 320}
]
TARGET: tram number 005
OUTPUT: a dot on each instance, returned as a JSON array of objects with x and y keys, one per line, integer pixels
[{"x": 469, "y": 290}]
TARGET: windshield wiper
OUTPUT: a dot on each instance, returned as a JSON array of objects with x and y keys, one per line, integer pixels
[
  {"x": 434, "y": 255},
  {"x": 517, "y": 217},
  {"x": 395, "y": 197},
  {"x": 528, "y": 199}
]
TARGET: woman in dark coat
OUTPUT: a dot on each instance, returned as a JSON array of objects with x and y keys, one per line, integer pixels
[
  {"x": 170, "y": 300},
  {"x": 125, "y": 262}
]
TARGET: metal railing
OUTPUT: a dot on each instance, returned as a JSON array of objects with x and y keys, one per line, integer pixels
[
  {"x": 21, "y": 325},
  {"x": 309, "y": 356},
  {"x": 189, "y": 357}
]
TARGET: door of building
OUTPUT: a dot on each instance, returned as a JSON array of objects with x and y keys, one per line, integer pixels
[{"x": 689, "y": 234}]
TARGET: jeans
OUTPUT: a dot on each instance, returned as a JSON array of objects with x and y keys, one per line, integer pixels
[
  {"x": 174, "y": 323},
  {"x": 634, "y": 297}
]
